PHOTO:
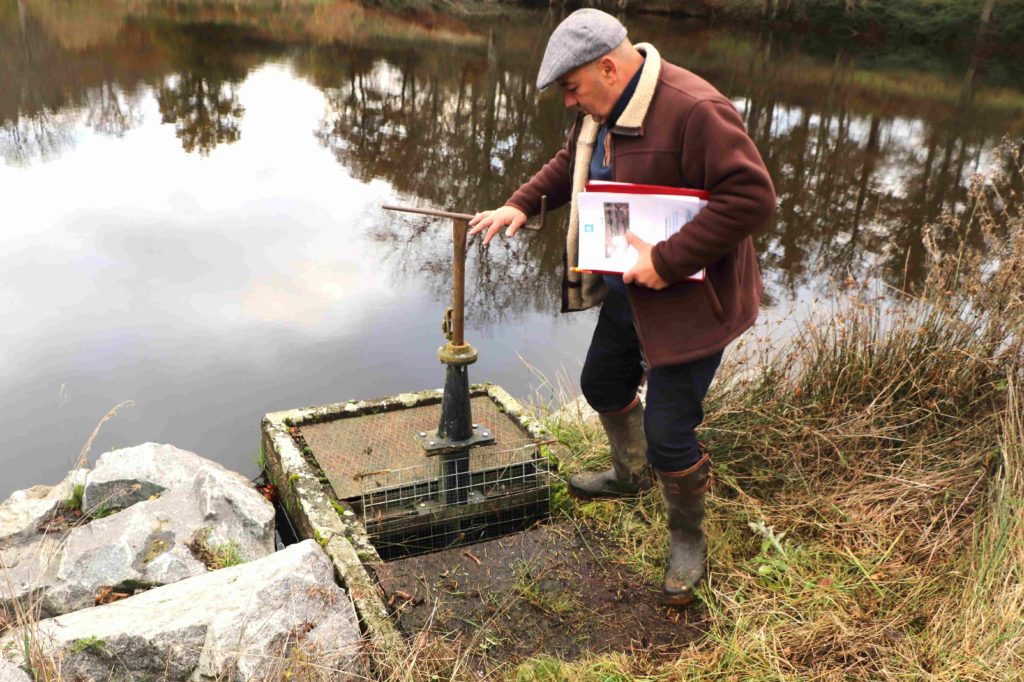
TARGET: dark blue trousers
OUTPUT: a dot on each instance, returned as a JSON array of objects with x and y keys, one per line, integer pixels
[{"x": 675, "y": 395}]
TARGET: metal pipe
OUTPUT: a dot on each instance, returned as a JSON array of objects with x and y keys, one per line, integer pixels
[
  {"x": 458, "y": 280},
  {"x": 465, "y": 216},
  {"x": 428, "y": 211},
  {"x": 456, "y": 422}
]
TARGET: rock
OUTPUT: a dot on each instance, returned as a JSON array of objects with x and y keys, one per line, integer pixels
[
  {"x": 252, "y": 621},
  {"x": 184, "y": 515},
  {"x": 578, "y": 411},
  {"x": 25, "y": 511},
  {"x": 12, "y": 673},
  {"x": 123, "y": 477}
]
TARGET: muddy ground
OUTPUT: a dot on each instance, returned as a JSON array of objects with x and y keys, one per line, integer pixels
[{"x": 551, "y": 590}]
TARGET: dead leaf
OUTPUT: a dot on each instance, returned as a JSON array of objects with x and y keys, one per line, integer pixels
[
  {"x": 268, "y": 491},
  {"x": 106, "y": 595}
]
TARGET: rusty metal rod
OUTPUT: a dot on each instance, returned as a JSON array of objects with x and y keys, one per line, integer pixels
[
  {"x": 464, "y": 216},
  {"x": 428, "y": 211},
  {"x": 458, "y": 279}
]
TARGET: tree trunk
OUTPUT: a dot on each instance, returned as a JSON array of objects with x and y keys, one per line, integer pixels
[{"x": 986, "y": 13}]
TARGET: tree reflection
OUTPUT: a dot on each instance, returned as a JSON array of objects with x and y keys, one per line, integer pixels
[
  {"x": 42, "y": 136},
  {"x": 503, "y": 281},
  {"x": 60, "y": 73},
  {"x": 53, "y": 67},
  {"x": 111, "y": 111},
  {"x": 201, "y": 98},
  {"x": 204, "y": 112},
  {"x": 860, "y": 169},
  {"x": 461, "y": 133}
]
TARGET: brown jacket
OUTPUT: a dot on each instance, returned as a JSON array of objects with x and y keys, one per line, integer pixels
[{"x": 677, "y": 130}]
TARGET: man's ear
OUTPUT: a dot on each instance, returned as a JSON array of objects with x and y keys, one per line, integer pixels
[{"x": 608, "y": 69}]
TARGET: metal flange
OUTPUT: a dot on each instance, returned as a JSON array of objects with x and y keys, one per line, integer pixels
[
  {"x": 435, "y": 445},
  {"x": 453, "y": 354}
]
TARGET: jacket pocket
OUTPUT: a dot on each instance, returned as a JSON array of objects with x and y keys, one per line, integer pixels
[{"x": 712, "y": 296}]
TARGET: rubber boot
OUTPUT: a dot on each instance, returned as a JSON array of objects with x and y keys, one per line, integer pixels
[
  {"x": 630, "y": 473},
  {"x": 684, "y": 496}
]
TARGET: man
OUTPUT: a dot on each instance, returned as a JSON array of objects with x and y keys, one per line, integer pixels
[{"x": 643, "y": 120}]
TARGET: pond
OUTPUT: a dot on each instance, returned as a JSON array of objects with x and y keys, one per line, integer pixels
[{"x": 191, "y": 202}]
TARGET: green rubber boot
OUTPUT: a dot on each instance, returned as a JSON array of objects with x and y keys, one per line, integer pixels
[{"x": 630, "y": 473}]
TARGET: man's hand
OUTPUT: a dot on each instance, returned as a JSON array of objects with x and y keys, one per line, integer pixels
[
  {"x": 643, "y": 272},
  {"x": 508, "y": 217}
]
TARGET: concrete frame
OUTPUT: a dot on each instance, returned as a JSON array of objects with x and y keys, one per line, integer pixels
[{"x": 333, "y": 524}]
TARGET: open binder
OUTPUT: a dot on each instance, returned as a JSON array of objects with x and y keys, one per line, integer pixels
[{"x": 607, "y": 210}]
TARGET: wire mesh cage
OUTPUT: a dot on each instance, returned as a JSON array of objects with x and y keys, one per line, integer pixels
[
  {"x": 446, "y": 502},
  {"x": 412, "y": 503}
]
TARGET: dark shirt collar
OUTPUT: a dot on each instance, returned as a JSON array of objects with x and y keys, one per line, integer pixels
[{"x": 623, "y": 101}]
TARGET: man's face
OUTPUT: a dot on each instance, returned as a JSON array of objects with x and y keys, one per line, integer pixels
[{"x": 590, "y": 88}]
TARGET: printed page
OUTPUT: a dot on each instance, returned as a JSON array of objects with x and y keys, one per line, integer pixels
[{"x": 605, "y": 217}]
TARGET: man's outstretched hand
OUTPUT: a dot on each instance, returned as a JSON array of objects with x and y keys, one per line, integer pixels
[
  {"x": 508, "y": 217},
  {"x": 643, "y": 272}
]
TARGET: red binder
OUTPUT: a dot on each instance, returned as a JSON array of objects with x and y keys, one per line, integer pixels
[
  {"x": 638, "y": 188},
  {"x": 597, "y": 186}
]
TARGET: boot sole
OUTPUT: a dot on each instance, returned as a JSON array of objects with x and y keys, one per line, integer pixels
[{"x": 680, "y": 600}]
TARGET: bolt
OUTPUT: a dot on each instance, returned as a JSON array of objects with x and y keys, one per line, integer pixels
[
  {"x": 423, "y": 434},
  {"x": 432, "y": 442},
  {"x": 486, "y": 435},
  {"x": 476, "y": 426}
]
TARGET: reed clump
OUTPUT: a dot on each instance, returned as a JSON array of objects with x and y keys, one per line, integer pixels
[{"x": 867, "y": 517}]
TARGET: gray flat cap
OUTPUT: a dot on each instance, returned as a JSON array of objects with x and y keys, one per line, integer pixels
[{"x": 582, "y": 37}]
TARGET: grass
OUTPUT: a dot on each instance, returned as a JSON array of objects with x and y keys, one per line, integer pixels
[
  {"x": 559, "y": 604},
  {"x": 74, "y": 500},
  {"x": 215, "y": 555},
  {"x": 87, "y": 644}
]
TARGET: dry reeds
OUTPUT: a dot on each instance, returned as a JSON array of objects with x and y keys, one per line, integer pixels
[{"x": 23, "y": 614}]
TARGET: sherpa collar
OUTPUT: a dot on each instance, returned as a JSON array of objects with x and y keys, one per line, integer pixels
[{"x": 631, "y": 120}]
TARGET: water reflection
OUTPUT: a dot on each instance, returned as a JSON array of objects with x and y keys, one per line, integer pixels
[
  {"x": 861, "y": 159},
  {"x": 861, "y": 164},
  {"x": 855, "y": 185},
  {"x": 193, "y": 191},
  {"x": 461, "y": 137},
  {"x": 205, "y": 112}
]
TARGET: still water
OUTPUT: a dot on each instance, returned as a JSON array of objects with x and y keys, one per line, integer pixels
[{"x": 189, "y": 202}]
